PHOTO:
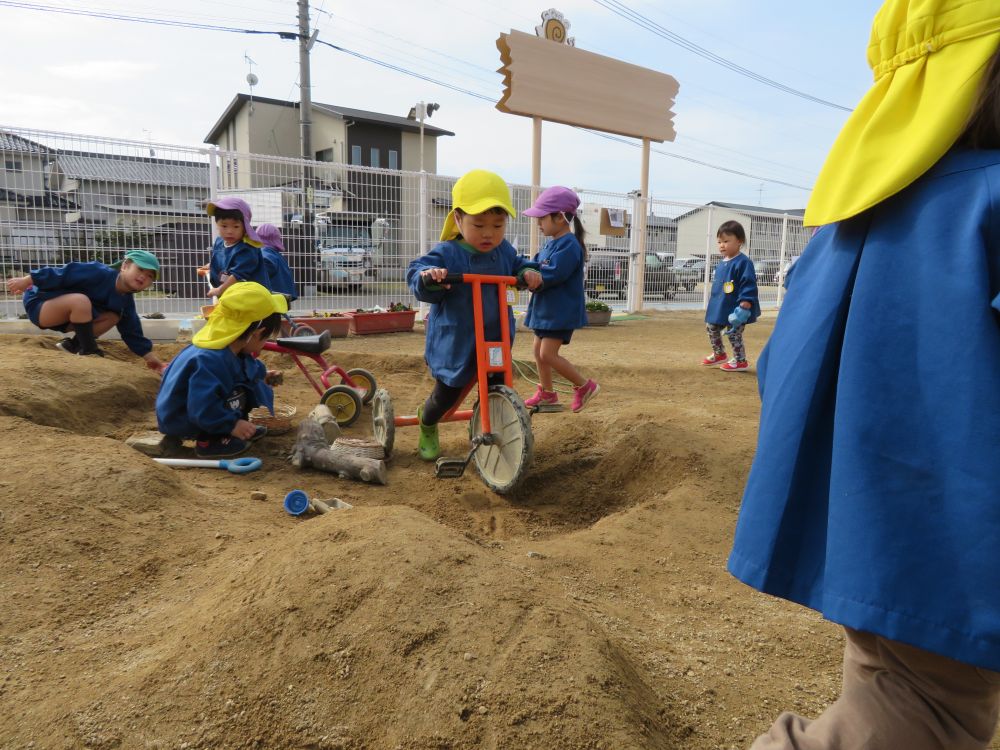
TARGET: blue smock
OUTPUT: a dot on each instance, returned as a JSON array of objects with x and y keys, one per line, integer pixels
[
  {"x": 737, "y": 271},
  {"x": 450, "y": 344},
  {"x": 97, "y": 282},
  {"x": 241, "y": 260},
  {"x": 873, "y": 495},
  {"x": 279, "y": 274},
  {"x": 560, "y": 304},
  {"x": 207, "y": 391}
]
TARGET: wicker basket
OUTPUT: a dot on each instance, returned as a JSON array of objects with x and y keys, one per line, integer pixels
[
  {"x": 359, "y": 447},
  {"x": 278, "y": 423}
]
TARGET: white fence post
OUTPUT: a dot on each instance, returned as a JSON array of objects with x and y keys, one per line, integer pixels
[
  {"x": 781, "y": 259},
  {"x": 425, "y": 308},
  {"x": 709, "y": 236},
  {"x": 636, "y": 252}
]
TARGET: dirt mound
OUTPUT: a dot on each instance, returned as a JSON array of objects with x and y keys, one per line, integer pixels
[{"x": 146, "y": 607}]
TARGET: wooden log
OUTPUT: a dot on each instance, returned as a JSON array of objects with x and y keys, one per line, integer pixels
[{"x": 312, "y": 450}]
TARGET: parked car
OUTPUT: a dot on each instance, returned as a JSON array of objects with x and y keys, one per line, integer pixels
[
  {"x": 690, "y": 272},
  {"x": 779, "y": 277},
  {"x": 766, "y": 270},
  {"x": 345, "y": 256},
  {"x": 609, "y": 275}
]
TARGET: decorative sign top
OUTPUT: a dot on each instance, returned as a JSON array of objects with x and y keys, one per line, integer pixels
[
  {"x": 554, "y": 27},
  {"x": 566, "y": 84}
]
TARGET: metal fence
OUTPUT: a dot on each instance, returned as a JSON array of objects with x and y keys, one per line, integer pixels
[{"x": 349, "y": 231}]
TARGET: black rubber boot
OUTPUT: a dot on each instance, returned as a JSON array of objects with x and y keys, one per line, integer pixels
[{"x": 85, "y": 338}]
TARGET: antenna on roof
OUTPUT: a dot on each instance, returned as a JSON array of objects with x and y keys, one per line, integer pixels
[
  {"x": 149, "y": 139},
  {"x": 252, "y": 78}
]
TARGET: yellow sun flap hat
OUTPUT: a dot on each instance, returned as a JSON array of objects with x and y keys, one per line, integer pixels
[
  {"x": 475, "y": 192},
  {"x": 928, "y": 57},
  {"x": 240, "y": 305}
]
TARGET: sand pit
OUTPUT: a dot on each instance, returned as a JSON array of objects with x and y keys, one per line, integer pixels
[{"x": 148, "y": 607}]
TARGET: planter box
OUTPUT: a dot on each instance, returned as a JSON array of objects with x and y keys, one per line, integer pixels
[
  {"x": 384, "y": 322},
  {"x": 598, "y": 318},
  {"x": 337, "y": 326}
]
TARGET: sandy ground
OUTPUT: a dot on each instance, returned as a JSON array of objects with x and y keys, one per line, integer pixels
[{"x": 148, "y": 607}]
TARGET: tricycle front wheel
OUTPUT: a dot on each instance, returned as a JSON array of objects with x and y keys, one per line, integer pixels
[
  {"x": 504, "y": 463},
  {"x": 343, "y": 402}
]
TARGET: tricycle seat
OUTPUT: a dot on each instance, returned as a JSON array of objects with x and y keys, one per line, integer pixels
[{"x": 308, "y": 344}]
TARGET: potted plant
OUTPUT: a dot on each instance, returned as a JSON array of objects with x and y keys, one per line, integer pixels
[
  {"x": 397, "y": 317},
  {"x": 598, "y": 313},
  {"x": 336, "y": 323}
]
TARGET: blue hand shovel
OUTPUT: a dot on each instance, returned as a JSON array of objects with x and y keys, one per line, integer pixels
[{"x": 242, "y": 465}]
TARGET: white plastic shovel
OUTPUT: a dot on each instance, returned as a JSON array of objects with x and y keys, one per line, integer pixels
[{"x": 242, "y": 465}]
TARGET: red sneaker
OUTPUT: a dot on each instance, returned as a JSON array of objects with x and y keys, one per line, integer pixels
[
  {"x": 735, "y": 365},
  {"x": 712, "y": 360},
  {"x": 584, "y": 393},
  {"x": 541, "y": 397}
]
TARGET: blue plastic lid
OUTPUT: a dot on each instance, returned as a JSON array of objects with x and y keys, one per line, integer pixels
[{"x": 296, "y": 502}]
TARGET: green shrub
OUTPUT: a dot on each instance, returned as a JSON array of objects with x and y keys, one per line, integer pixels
[{"x": 594, "y": 305}]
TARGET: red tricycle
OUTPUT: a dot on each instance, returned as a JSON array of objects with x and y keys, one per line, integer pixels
[
  {"x": 356, "y": 387},
  {"x": 500, "y": 436}
]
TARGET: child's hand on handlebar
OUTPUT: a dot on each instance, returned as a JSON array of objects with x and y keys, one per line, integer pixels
[
  {"x": 243, "y": 430},
  {"x": 436, "y": 275},
  {"x": 533, "y": 279}
]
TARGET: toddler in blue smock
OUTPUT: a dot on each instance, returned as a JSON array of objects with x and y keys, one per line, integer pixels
[
  {"x": 209, "y": 389},
  {"x": 734, "y": 300},
  {"x": 472, "y": 242},
  {"x": 236, "y": 252},
  {"x": 558, "y": 304},
  {"x": 90, "y": 299},
  {"x": 278, "y": 270}
]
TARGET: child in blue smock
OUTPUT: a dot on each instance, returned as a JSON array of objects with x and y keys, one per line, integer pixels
[
  {"x": 733, "y": 302},
  {"x": 278, "y": 271},
  {"x": 89, "y": 299},
  {"x": 472, "y": 242},
  {"x": 236, "y": 254},
  {"x": 209, "y": 388},
  {"x": 558, "y": 304},
  {"x": 873, "y": 498}
]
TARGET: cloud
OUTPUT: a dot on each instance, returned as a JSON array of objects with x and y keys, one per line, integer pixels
[{"x": 96, "y": 71}]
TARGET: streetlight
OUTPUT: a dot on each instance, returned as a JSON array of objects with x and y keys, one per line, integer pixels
[{"x": 423, "y": 110}]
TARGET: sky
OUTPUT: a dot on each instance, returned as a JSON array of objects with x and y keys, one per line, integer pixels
[{"x": 169, "y": 85}]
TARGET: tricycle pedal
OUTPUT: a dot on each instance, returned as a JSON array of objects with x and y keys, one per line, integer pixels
[{"x": 450, "y": 468}]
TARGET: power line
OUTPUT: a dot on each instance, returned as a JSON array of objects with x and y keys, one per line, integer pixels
[
  {"x": 620, "y": 9},
  {"x": 289, "y": 35}
]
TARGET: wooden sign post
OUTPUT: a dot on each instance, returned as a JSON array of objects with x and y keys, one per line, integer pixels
[{"x": 546, "y": 77}]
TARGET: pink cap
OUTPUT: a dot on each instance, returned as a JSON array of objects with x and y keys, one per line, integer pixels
[{"x": 554, "y": 200}]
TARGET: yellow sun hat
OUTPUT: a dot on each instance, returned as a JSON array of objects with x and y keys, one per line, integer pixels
[
  {"x": 928, "y": 58},
  {"x": 242, "y": 304},
  {"x": 475, "y": 192}
]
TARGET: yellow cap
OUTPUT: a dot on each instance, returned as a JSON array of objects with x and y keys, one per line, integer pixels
[
  {"x": 928, "y": 57},
  {"x": 475, "y": 192},
  {"x": 240, "y": 305}
]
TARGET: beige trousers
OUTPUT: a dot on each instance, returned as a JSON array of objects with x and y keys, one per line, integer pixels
[{"x": 896, "y": 697}]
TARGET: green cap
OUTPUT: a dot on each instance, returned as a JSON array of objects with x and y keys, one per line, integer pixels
[{"x": 142, "y": 258}]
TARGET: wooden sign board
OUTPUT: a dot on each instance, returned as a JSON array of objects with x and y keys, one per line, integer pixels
[
  {"x": 566, "y": 84},
  {"x": 613, "y": 222}
]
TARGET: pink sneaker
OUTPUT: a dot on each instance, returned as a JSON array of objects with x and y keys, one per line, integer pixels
[
  {"x": 541, "y": 397},
  {"x": 736, "y": 365},
  {"x": 584, "y": 393},
  {"x": 714, "y": 359}
]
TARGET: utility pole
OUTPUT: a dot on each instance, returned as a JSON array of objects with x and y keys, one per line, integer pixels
[{"x": 305, "y": 85}]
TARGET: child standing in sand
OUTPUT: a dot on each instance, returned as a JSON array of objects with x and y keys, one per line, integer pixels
[
  {"x": 236, "y": 254},
  {"x": 733, "y": 302},
  {"x": 472, "y": 241},
  {"x": 557, "y": 306}
]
